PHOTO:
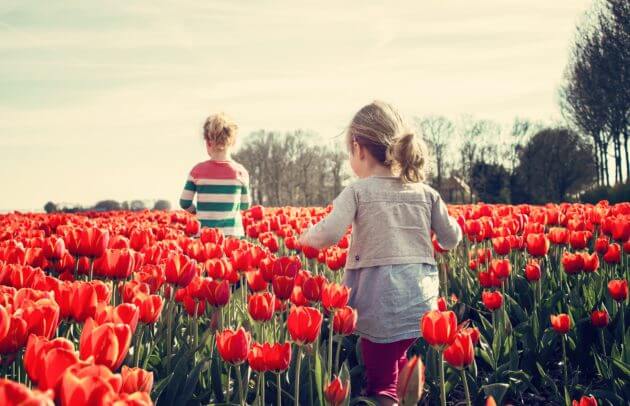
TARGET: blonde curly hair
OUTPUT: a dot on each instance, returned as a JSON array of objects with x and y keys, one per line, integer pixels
[{"x": 220, "y": 130}]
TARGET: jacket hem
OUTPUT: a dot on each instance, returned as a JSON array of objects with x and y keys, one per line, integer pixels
[{"x": 351, "y": 263}]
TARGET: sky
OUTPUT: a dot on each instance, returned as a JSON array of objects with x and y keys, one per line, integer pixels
[{"x": 105, "y": 99}]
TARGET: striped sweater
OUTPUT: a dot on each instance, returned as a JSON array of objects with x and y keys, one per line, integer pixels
[{"x": 222, "y": 189}]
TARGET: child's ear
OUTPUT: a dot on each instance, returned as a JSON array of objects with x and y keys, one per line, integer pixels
[{"x": 361, "y": 151}]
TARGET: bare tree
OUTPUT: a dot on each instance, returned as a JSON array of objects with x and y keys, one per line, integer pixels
[{"x": 437, "y": 131}]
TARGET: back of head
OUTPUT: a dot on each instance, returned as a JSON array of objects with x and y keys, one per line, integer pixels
[
  {"x": 220, "y": 130},
  {"x": 380, "y": 128}
]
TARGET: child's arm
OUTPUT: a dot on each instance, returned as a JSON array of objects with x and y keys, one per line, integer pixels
[
  {"x": 446, "y": 228},
  {"x": 188, "y": 194},
  {"x": 332, "y": 227},
  {"x": 246, "y": 198}
]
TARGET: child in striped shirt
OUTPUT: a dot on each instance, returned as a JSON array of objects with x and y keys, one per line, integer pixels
[{"x": 221, "y": 184}]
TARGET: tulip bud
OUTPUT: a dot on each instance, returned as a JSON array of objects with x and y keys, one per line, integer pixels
[{"x": 411, "y": 382}]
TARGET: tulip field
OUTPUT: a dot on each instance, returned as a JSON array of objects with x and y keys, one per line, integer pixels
[{"x": 141, "y": 308}]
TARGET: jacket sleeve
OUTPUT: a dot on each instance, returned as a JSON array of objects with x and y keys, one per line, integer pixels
[
  {"x": 188, "y": 194},
  {"x": 446, "y": 228},
  {"x": 334, "y": 226}
]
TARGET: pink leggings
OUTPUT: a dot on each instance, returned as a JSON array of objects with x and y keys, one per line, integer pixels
[{"x": 382, "y": 364}]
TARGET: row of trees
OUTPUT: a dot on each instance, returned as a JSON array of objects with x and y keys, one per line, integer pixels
[
  {"x": 108, "y": 205},
  {"x": 596, "y": 95},
  {"x": 292, "y": 168},
  {"x": 523, "y": 162}
]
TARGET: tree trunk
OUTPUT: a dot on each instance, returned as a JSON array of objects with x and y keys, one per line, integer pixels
[
  {"x": 597, "y": 165},
  {"x": 625, "y": 147},
  {"x": 604, "y": 152}
]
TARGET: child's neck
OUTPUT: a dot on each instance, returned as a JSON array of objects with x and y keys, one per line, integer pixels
[
  {"x": 380, "y": 170},
  {"x": 220, "y": 156}
]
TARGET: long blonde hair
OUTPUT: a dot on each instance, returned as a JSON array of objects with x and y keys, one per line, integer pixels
[
  {"x": 220, "y": 130},
  {"x": 380, "y": 129}
]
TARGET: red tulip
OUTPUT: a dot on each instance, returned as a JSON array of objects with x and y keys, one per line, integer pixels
[
  {"x": 439, "y": 328},
  {"x": 501, "y": 245},
  {"x": 136, "y": 380},
  {"x": 489, "y": 279},
  {"x": 561, "y": 323},
  {"x": 192, "y": 227},
  {"x": 261, "y": 306},
  {"x": 601, "y": 244},
  {"x": 613, "y": 254},
  {"x": 532, "y": 271},
  {"x": 256, "y": 358},
  {"x": 255, "y": 281},
  {"x": 335, "y": 296},
  {"x": 283, "y": 286},
  {"x": 277, "y": 356},
  {"x": 441, "y": 304},
  {"x": 180, "y": 270},
  {"x": 233, "y": 346},
  {"x": 537, "y": 244},
  {"x": 618, "y": 289},
  {"x": 150, "y": 307},
  {"x": 345, "y": 321},
  {"x": 492, "y": 300},
  {"x": 336, "y": 392},
  {"x": 461, "y": 352},
  {"x": 579, "y": 239},
  {"x": 304, "y": 324},
  {"x": 501, "y": 268},
  {"x": 585, "y": 401},
  {"x": 92, "y": 242},
  {"x": 107, "y": 343},
  {"x": 600, "y": 318},
  {"x": 312, "y": 287},
  {"x": 16, "y": 337},
  {"x": 83, "y": 390},
  {"x": 573, "y": 263},
  {"x": 411, "y": 382},
  {"x": 45, "y": 361},
  {"x": 15, "y": 394},
  {"x": 5, "y": 322},
  {"x": 217, "y": 293},
  {"x": 84, "y": 301},
  {"x": 591, "y": 261},
  {"x": 125, "y": 313},
  {"x": 559, "y": 235}
]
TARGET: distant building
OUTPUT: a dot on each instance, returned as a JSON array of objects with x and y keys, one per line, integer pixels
[{"x": 454, "y": 190}]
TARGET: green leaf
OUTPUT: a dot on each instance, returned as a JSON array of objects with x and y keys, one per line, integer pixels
[
  {"x": 160, "y": 386},
  {"x": 319, "y": 375},
  {"x": 496, "y": 390},
  {"x": 548, "y": 381},
  {"x": 191, "y": 382},
  {"x": 622, "y": 370}
]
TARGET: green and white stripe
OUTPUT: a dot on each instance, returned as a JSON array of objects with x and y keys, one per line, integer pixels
[{"x": 219, "y": 202}]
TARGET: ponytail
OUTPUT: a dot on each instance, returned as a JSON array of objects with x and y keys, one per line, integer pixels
[
  {"x": 408, "y": 154},
  {"x": 380, "y": 128}
]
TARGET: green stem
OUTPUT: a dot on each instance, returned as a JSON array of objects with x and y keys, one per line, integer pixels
[
  {"x": 91, "y": 268},
  {"x": 227, "y": 384},
  {"x": 298, "y": 364},
  {"x": 278, "y": 390},
  {"x": 330, "y": 341},
  {"x": 239, "y": 377},
  {"x": 169, "y": 334},
  {"x": 442, "y": 387},
  {"x": 137, "y": 344},
  {"x": 262, "y": 388},
  {"x": 337, "y": 366},
  {"x": 465, "y": 382},
  {"x": 564, "y": 364},
  {"x": 603, "y": 342}
]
